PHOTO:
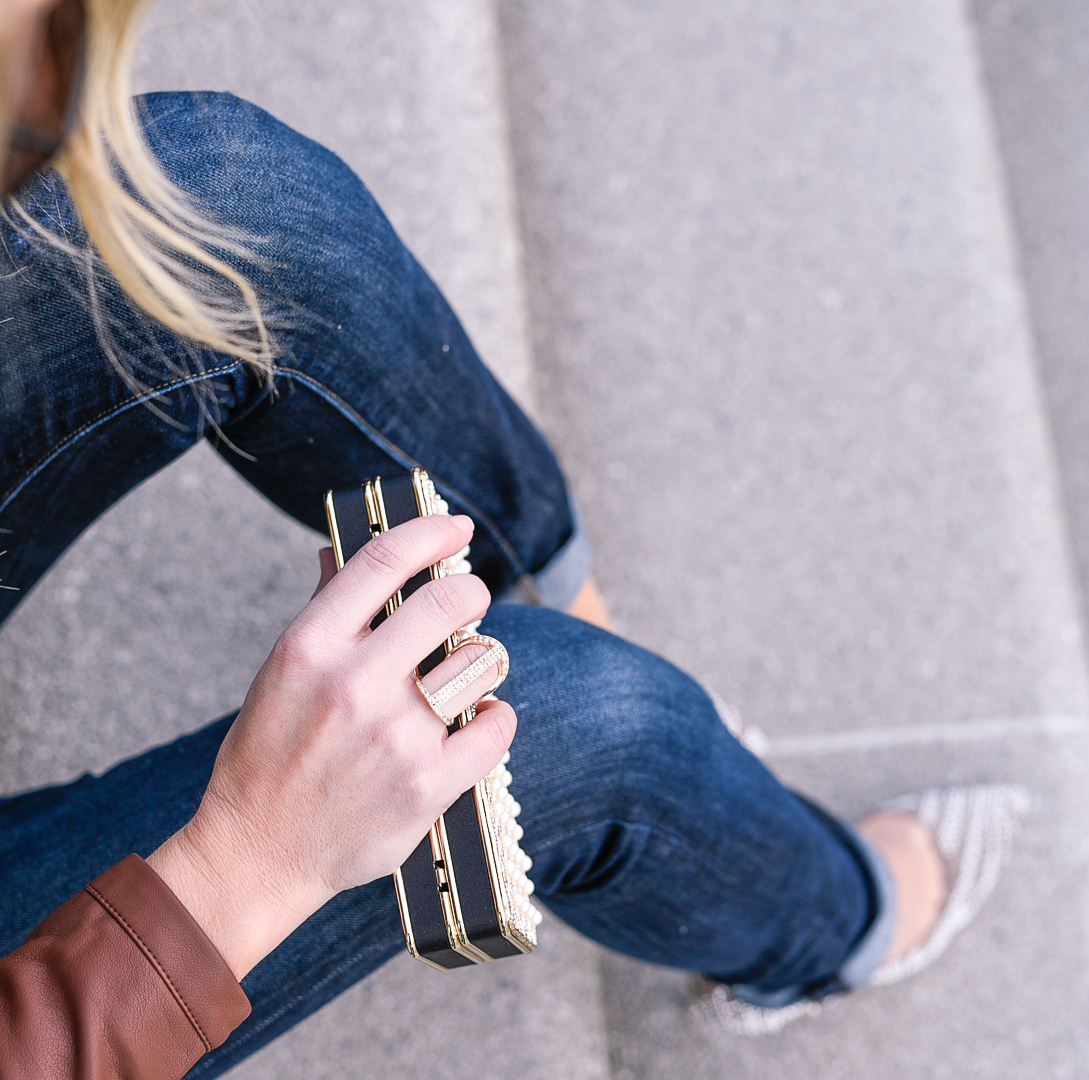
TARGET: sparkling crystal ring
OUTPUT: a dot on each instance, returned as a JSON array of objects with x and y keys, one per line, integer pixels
[{"x": 496, "y": 656}]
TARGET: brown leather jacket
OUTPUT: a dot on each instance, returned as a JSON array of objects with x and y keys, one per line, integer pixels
[{"x": 119, "y": 983}]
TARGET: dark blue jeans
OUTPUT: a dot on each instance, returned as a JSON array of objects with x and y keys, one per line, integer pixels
[{"x": 651, "y": 829}]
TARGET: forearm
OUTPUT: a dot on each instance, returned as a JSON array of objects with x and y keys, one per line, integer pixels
[{"x": 246, "y": 910}]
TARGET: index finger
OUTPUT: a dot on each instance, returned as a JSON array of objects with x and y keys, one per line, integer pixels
[{"x": 377, "y": 570}]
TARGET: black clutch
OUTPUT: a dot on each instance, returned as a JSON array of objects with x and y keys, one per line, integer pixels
[{"x": 463, "y": 893}]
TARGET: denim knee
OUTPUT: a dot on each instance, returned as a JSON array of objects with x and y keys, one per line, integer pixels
[
  {"x": 320, "y": 239},
  {"x": 367, "y": 342},
  {"x": 631, "y": 730},
  {"x": 654, "y": 831}
]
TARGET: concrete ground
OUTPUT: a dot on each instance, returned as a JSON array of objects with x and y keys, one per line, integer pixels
[{"x": 803, "y": 286}]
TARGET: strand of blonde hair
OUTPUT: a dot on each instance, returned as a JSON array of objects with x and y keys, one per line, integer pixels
[{"x": 156, "y": 244}]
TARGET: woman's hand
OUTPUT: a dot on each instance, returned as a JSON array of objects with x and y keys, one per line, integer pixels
[{"x": 336, "y": 767}]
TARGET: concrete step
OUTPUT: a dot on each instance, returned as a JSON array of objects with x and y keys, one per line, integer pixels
[
  {"x": 783, "y": 348},
  {"x": 1035, "y": 55}
]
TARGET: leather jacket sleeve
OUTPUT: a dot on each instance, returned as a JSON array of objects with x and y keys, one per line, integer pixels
[{"x": 119, "y": 983}]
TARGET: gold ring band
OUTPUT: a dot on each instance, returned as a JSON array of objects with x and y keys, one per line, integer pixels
[{"x": 496, "y": 656}]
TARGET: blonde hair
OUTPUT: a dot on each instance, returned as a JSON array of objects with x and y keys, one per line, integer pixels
[{"x": 147, "y": 232}]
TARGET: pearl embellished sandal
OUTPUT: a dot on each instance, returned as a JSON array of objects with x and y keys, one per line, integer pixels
[{"x": 973, "y": 828}]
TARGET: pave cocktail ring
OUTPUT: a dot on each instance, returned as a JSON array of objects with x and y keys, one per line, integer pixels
[{"x": 496, "y": 656}]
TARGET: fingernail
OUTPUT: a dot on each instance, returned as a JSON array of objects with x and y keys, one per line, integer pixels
[{"x": 463, "y": 522}]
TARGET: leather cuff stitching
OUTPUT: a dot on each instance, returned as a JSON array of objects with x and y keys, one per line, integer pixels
[{"x": 154, "y": 961}]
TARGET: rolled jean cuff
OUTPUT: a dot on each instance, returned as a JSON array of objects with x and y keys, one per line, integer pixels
[
  {"x": 560, "y": 580},
  {"x": 866, "y": 954}
]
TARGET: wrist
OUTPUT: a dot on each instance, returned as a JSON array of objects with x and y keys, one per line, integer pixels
[{"x": 244, "y": 906}]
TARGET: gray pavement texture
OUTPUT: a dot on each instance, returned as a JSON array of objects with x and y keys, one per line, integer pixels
[
  {"x": 1036, "y": 55},
  {"x": 798, "y": 292},
  {"x": 793, "y": 239}
]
